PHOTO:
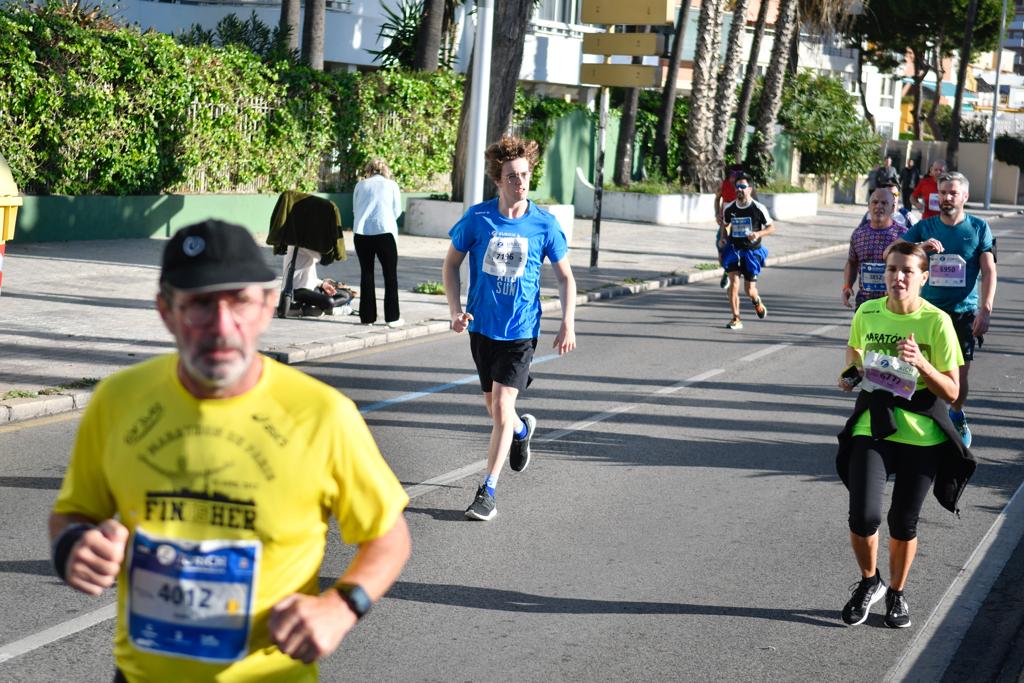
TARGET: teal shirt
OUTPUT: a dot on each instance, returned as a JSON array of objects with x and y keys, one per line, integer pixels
[{"x": 969, "y": 238}]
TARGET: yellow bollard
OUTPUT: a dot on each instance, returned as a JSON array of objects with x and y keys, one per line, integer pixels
[{"x": 10, "y": 200}]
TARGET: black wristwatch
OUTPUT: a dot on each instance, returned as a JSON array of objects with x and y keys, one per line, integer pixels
[{"x": 358, "y": 599}]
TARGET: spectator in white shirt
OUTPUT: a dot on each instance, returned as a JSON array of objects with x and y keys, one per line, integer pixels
[{"x": 377, "y": 205}]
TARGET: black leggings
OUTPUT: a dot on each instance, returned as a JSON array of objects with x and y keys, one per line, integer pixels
[
  {"x": 368, "y": 248},
  {"x": 871, "y": 463}
]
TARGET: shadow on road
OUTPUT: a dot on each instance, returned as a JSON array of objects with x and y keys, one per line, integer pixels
[{"x": 514, "y": 601}]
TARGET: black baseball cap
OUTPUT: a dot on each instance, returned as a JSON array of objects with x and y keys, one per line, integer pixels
[{"x": 212, "y": 256}]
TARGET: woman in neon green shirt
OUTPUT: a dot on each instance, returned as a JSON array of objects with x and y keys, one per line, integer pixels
[{"x": 906, "y": 352}]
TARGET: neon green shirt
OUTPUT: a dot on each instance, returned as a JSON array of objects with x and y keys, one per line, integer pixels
[{"x": 876, "y": 328}]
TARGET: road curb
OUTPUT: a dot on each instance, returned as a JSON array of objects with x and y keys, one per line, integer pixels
[{"x": 21, "y": 409}]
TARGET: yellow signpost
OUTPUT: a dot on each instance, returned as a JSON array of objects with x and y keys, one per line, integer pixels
[
  {"x": 613, "y": 13},
  {"x": 636, "y": 12}
]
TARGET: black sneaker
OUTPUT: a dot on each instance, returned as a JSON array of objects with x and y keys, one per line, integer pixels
[
  {"x": 519, "y": 452},
  {"x": 866, "y": 592},
  {"x": 897, "y": 611},
  {"x": 483, "y": 507}
]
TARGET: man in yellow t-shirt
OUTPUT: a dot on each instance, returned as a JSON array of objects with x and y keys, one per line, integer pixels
[{"x": 202, "y": 482}]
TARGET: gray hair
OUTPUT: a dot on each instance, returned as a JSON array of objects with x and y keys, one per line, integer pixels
[{"x": 956, "y": 177}]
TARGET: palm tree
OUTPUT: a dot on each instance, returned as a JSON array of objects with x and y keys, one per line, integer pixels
[
  {"x": 823, "y": 15},
  {"x": 739, "y": 131},
  {"x": 725, "y": 99},
  {"x": 290, "y": 22},
  {"x": 760, "y": 160},
  {"x": 428, "y": 38},
  {"x": 511, "y": 19},
  {"x": 668, "y": 93},
  {"x": 699, "y": 168},
  {"x": 313, "y": 34}
]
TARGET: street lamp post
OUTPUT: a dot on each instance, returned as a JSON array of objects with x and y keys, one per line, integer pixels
[
  {"x": 995, "y": 110},
  {"x": 473, "y": 184}
]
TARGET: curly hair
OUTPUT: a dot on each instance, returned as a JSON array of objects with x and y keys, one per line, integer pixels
[{"x": 509, "y": 149}]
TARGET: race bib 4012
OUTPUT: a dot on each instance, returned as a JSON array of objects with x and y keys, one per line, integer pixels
[{"x": 191, "y": 599}]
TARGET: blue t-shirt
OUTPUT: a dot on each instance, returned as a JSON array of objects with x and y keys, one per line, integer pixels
[
  {"x": 969, "y": 238},
  {"x": 505, "y": 256}
]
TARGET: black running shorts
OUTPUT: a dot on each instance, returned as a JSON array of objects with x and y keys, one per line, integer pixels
[
  {"x": 505, "y": 362},
  {"x": 963, "y": 323}
]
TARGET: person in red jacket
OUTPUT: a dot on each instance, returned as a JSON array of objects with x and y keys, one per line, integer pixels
[{"x": 925, "y": 196}]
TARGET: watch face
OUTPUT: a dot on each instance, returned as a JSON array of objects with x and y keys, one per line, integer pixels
[{"x": 356, "y": 597}]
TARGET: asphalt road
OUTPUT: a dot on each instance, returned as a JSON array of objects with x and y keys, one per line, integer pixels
[{"x": 681, "y": 520}]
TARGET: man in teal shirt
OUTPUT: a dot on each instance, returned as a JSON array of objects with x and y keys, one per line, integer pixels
[{"x": 961, "y": 247}]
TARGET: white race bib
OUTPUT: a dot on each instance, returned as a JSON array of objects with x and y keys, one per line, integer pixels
[
  {"x": 888, "y": 373},
  {"x": 947, "y": 270},
  {"x": 872, "y": 277},
  {"x": 506, "y": 256},
  {"x": 740, "y": 226},
  {"x": 191, "y": 599},
  {"x": 933, "y": 202}
]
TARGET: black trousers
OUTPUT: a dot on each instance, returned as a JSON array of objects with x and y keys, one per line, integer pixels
[
  {"x": 871, "y": 464},
  {"x": 383, "y": 248}
]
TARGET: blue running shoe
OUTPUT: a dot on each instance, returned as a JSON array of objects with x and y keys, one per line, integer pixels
[{"x": 960, "y": 422}]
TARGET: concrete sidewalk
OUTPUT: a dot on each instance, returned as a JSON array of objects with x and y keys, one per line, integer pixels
[{"x": 74, "y": 312}]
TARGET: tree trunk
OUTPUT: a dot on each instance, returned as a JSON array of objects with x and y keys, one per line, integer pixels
[
  {"x": 793, "y": 60},
  {"x": 623, "y": 175},
  {"x": 725, "y": 98},
  {"x": 511, "y": 18},
  {"x": 921, "y": 69},
  {"x": 428, "y": 38},
  {"x": 289, "y": 21},
  {"x": 668, "y": 94},
  {"x": 760, "y": 161},
  {"x": 953, "y": 144},
  {"x": 739, "y": 131},
  {"x": 698, "y": 167},
  {"x": 868, "y": 116},
  {"x": 313, "y": 34},
  {"x": 940, "y": 73}
]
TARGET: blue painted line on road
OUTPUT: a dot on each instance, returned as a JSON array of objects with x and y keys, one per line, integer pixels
[{"x": 380, "y": 405}]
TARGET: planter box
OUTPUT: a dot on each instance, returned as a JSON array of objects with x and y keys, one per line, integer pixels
[
  {"x": 786, "y": 205},
  {"x": 431, "y": 217},
  {"x": 660, "y": 209},
  {"x": 565, "y": 214}
]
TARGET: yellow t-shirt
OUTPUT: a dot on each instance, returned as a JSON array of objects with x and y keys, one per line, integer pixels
[
  {"x": 876, "y": 328},
  {"x": 256, "y": 477}
]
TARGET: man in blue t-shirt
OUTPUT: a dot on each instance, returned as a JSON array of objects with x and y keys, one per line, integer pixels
[
  {"x": 961, "y": 247},
  {"x": 507, "y": 239}
]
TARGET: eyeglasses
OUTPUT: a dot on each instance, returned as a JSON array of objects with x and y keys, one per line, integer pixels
[
  {"x": 518, "y": 178},
  {"x": 204, "y": 309},
  {"x": 742, "y": 187}
]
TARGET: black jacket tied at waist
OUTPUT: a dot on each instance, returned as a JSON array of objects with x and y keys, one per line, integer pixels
[{"x": 954, "y": 465}]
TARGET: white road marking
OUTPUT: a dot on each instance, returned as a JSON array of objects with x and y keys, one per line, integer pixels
[
  {"x": 62, "y": 630},
  {"x": 767, "y": 351}
]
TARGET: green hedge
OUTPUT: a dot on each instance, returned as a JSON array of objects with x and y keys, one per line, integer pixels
[{"x": 89, "y": 108}]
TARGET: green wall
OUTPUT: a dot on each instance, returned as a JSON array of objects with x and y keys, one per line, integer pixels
[
  {"x": 575, "y": 144},
  {"x": 100, "y": 217}
]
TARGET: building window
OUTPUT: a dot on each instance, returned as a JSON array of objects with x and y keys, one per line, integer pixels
[
  {"x": 885, "y": 130},
  {"x": 565, "y": 11},
  {"x": 888, "y": 95}
]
